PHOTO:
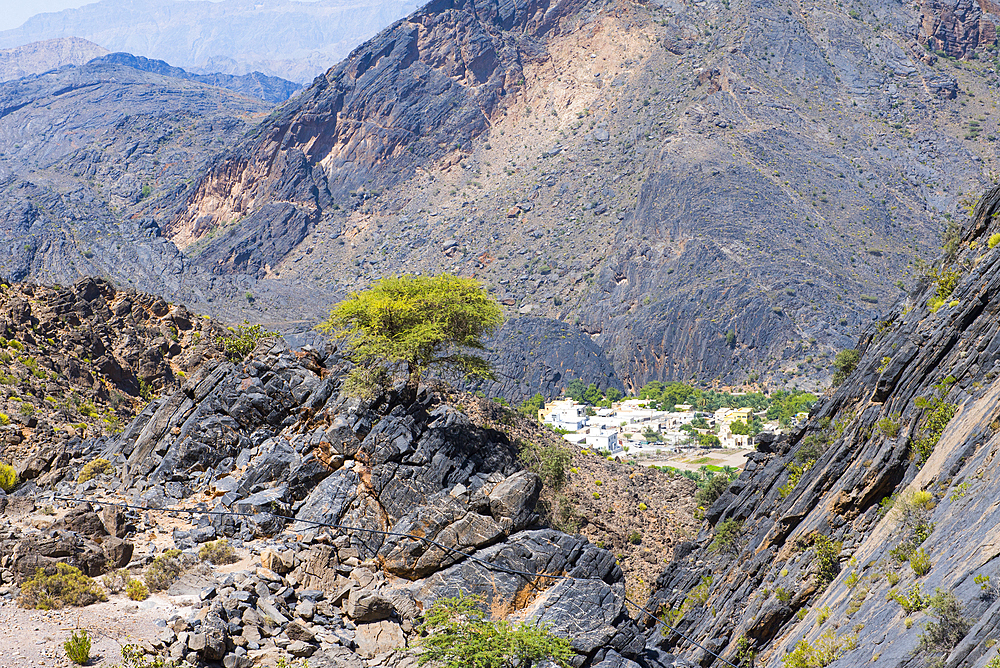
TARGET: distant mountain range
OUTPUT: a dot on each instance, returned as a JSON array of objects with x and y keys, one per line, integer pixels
[
  {"x": 284, "y": 38},
  {"x": 38, "y": 57}
]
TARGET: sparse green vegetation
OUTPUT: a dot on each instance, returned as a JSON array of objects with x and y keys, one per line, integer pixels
[
  {"x": 78, "y": 647},
  {"x": 549, "y": 460},
  {"x": 950, "y": 626},
  {"x": 889, "y": 426},
  {"x": 844, "y": 363},
  {"x": 67, "y": 586},
  {"x": 218, "y": 552},
  {"x": 827, "y": 649},
  {"x": 241, "y": 340},
  {"x": 136, "y": 590},
  {"x": 8, "y": 477},
  {"x": 913, "y": 510},
  {"x": 912, "y": 600},
  {"x": 938, "y": 414},
  {"x": 728, "y": 536},
  {"x": 457, "y": 634},
  {"x": 164, "y": 570},
  {"x": 920, "y": 562},
  {"x": 827, "y": 559},
  {"x": 92, "y": 469}
]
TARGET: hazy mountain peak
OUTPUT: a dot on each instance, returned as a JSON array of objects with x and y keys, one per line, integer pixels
[
  {"x": 38, "y": 57},
  {"x": 293, "y": 40}
]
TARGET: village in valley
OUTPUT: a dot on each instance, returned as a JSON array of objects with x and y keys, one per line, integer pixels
[{"x": 683, "y": 436}]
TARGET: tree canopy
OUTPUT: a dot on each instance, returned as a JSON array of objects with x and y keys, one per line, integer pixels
[{"x": 414, "y": 324}]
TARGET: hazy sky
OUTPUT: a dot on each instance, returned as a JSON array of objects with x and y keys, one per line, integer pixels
[{"x": 15, "y": 12}]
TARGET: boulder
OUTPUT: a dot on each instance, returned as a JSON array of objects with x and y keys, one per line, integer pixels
[
  {"x": 378, "y": 637},
  {"x": 512, "y": 502},
  {"x": 117, "y": 551},
  {"x": 367, "y": 606}
]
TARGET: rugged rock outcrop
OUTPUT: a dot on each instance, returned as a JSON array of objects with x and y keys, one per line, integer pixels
[
  {"x": 81, "y": 361},
  {"x": 365, "y": 511},
  {"x": 958, "y": 27},
  {"x": 884, "y": 497}
]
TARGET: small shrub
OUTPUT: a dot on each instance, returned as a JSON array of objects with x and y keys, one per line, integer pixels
[
  {"x": 827, "y": 559},
  {"x": 828, "y": 648},
  {"x": 783, "y": 595},
  {"x": 163, "y": 571},
  {"x": 728, "y": 536},
  {"x": 993, "y": 240},
  {"x": 78, "y": 647},
  {"x": 242, "y": 339},
  {"x": 218, "y": 552},
  {"x": 93, "y": 468},
  {"x": 911, "y": 601},
  {"x": 456, "y": 634},
  {"x": 549, "y": 461},
  {"x": 134, "y": 657},
  {"x": 116, "y": 581},
  {"x": 889, "y": 426},
  {"x": 988, "y": 590},
  {"x": 136, "y": 590},
  {"x": 951, "y": 625},
  {"x": 844, "y": 363},
  {"x": 920, "y": 562},
  {"x": 68, "y": 586},
  {"x": 635, "y": 538},
  {"x": 8, "y": 477},
  {"x": 822, "y": 615},
  {"x": 713, "y": 488}
]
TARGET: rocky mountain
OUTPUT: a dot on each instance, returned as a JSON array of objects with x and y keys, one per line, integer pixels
[
  {"x": 715, "y": 192},
  {"x": 699, "y": 201},
  {"x": 38, "y": 57},
  {"x": 865, "y": 537},
  {"x": 273, "y": 90},
  {"x": 82, "y": 361},
  {"x": 280, "y": 38}
]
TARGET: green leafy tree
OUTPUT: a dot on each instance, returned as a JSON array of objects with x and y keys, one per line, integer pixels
[
  {"x": 844, "y": 363},
  {"x": 458, "y": 635},
  {"x": 575, "y": 390},
  {"x": 241, "y": 340},
  {"x": 592, "y": 395},
  {"x": 530, "y": 407},
  {"x": 414, "y": 324}
]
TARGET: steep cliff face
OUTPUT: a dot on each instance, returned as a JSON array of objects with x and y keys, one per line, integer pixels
[
  {"x": 958, "y": 27},
  {"x": 886, "y": 496},
  {"x": 427, "y": 84}
]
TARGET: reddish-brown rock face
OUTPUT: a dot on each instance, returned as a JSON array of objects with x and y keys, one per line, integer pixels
[{"x": 958, "y": 27}]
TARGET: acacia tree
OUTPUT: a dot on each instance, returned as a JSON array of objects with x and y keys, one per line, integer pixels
[{"x": 414, "y": 324}]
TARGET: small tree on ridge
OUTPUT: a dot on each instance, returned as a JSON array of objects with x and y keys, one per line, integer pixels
[{"x": 414, "y": 324}]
